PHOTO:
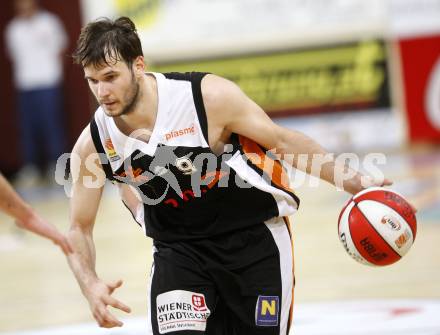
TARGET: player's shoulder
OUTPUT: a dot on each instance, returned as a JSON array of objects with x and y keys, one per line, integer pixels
[
  {"x": 218, "y": 91},
  {"x": 214, "y": 85}
]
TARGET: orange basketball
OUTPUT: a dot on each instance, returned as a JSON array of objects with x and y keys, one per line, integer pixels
[{"x": 377, "y": 227}]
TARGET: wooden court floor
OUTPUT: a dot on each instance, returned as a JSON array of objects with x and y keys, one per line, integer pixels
[{"x": 37, "y": 289}]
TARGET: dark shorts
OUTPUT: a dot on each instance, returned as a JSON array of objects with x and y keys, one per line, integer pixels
[{"x": 239, "y": 283}]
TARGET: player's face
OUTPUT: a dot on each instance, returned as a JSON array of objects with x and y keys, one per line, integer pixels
[
  {"x": 25, "y": 7},
  {"x": 115, "y": 87}
]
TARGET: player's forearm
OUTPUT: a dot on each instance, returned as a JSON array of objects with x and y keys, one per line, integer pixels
[
  {"x": 15, "y": 207},
  {"x": 82, "y": 260},
  {"x": 342, "y": 177},
  {"x": 308, "y": 156}
]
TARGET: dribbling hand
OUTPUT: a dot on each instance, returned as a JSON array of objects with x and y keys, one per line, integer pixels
[{"x": 99, "y": 297}]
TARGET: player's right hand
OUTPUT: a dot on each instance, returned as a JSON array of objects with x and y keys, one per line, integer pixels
[{"x": 99, "y": 297}]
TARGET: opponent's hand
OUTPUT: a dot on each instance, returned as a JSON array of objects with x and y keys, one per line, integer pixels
[
  {"x": 40, "y": 226},
  {"x": 99, "y": 297}
]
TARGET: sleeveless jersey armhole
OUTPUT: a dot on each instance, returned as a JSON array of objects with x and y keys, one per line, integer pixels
[
  {"x": 100, "y": 150},
  {"x": 196, "y": 79}
]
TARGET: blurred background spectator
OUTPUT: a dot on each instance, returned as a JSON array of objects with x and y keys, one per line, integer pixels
[{"x": 36, "y": 42}]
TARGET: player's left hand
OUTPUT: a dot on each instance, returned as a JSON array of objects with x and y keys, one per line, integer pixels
[
  {"x": 99, "y": 295},
  {"x": 368, "y": 181},
  {"x": 361, "y": 182}
]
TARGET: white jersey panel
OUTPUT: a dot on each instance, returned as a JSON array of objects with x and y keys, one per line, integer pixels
[{"x": 179, "y": 122}]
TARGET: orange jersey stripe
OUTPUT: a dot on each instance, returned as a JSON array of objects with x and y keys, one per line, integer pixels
[{"x": 272, "y": 168}]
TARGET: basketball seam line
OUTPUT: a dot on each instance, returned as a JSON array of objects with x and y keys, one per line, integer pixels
[
  {"x": 413, "y": 229},
  {"x": 374, "y": 228},
  {"x": 349, "y": 231}
]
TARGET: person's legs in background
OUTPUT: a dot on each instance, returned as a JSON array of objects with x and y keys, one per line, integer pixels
[
  {"x": 51, "y": 127},
  {"x": 27, "y": 103}
]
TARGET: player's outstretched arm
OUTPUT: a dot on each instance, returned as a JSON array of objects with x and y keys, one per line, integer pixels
[
  {"x": 86, "y": 195},
  {"x": 25, "y": 217},
  {"x": 229, "y": 110}
]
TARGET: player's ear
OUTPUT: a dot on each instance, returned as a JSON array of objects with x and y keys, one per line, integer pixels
[{"x": 139, "y": 66}]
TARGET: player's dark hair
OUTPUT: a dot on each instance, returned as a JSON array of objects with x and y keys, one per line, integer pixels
[{"x": 107, "y": 41}]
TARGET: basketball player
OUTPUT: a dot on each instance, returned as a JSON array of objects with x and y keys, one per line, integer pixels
[
  {"x": 25, "y": 217},
  {"x": 188, "y": 152}
]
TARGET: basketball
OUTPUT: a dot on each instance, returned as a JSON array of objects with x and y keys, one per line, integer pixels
[{"x": 377, "y": 227}]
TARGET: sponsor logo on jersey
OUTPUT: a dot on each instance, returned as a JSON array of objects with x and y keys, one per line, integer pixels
[
  {"x": 185, "y": 165},
  {"x": 198, "y": 301},
  {"x": 180, "y": 132},
  {"x": 181, "y": 310},
  {"x": 391, "y": 222},
  {"x": 402, "y": 239},
  {"x": 267, "y": 311},
  {"x": 111, "y": 153}
]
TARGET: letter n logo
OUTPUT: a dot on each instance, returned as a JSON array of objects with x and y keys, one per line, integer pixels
[
  {"x": 267, "y": 311},
  {"x": 265, "y": 307}
]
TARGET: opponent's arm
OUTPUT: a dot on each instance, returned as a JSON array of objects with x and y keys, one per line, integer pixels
[
  {"x": 228, "y": 108},
  {"x": 86, "y": 194},
  {"x": 25, "y": 217}
]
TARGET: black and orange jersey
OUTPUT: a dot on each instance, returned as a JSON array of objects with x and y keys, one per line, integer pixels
[{"x": 187, "y": 191}]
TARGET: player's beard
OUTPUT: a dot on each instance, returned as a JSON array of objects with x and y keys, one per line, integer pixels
[{"x": 131, "y": 97}]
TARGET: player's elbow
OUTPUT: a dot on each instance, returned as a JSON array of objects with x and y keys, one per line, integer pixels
[{"x": 79, "y": 229}]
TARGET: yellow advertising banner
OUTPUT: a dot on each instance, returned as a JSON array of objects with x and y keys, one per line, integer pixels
[{"x": 349, "y": 76}]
